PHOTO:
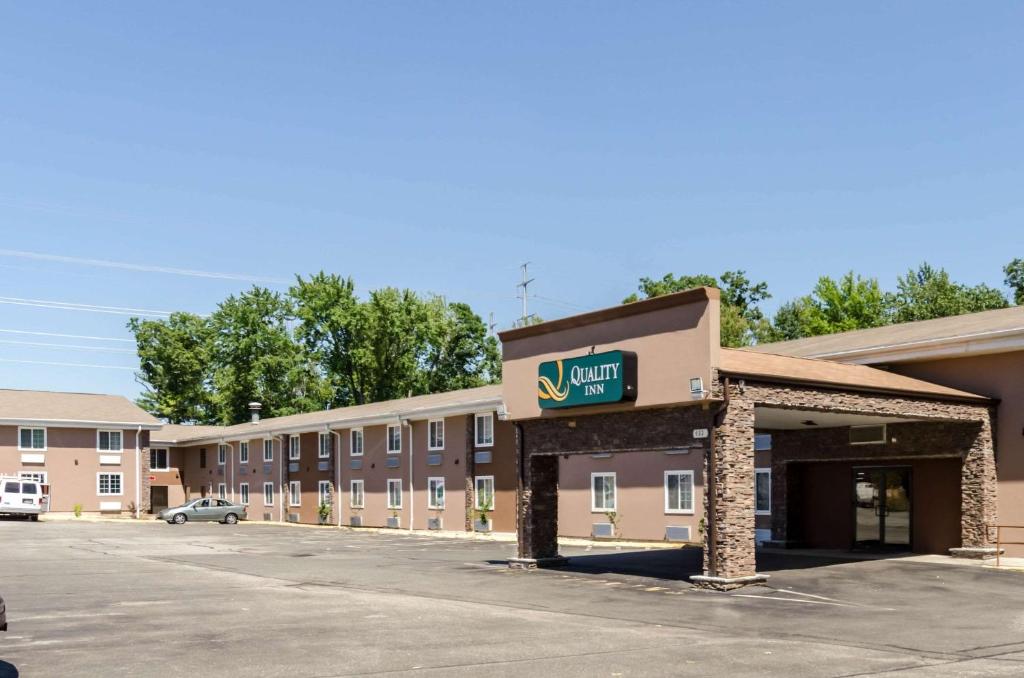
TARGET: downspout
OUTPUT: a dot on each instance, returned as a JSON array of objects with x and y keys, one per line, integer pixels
[
  {"x": 405, "y": 423},
  {"x": 231, "y": 470},
  {"x": 712, "y": 488},
  {"x": 138, "y": 471},
  {"x": 282, "y": 494},
  {"x": 337, "y": 488}
]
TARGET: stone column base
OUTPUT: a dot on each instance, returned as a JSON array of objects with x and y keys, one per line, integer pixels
[
  {"x": 727, "y": 583},
  {"x": 977, "y": 552},
  {"x": 535, "y": 563}
]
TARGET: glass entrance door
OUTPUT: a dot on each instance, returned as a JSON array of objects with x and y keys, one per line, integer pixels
[{"x": 881, "y": 500}]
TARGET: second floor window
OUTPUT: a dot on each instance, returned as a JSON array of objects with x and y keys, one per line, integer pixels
[
  {"x": 243, "y": 453},
  {"x": 435, "y": 434},
  {"x": 394, "y": 439},
  {"x": 294, "y": 448},
  {"x": 109, "y": 441},
  {"x": 357, "y": 443},
  {"x": 222, "y": 454},
  {"x": 484, "y": 430},
  {"x": 268, "y": 450},
  {"x": 325, "y": 446}
]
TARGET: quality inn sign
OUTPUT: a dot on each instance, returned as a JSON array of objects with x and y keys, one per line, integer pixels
[{"x": 587, "y": 380}]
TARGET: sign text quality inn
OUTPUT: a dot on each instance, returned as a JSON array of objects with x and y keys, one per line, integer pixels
[{"x": 587, "y": 380}]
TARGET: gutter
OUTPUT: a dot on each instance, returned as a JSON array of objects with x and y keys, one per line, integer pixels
[{"x": 77, "y": 423}]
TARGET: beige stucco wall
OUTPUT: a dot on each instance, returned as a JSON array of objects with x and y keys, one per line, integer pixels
[
  {"x": 72, "y": 463},
  {"x": 640, "y": 495},
  {"x": 452, "y": 469}
]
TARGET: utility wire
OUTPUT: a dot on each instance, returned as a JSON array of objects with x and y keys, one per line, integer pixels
[
  {"x": 65, "y": 336},
  {"x": 79, "y": 347},
  {"x": 72, "y": 306},
  {"x": 56, "y": 364}
]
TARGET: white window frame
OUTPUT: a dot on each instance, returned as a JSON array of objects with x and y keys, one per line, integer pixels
[
  {"x": 34, "y": 476},
  {"x": 222, "y": 454},
  {"x": 431, "y": 446},
  {"x": 433, "y": 484},
  {"x": 324, "y": 497},
  {"x": 671, "y": 510},
  {"x": 32, "y": 439},
  {"x": 120, "y": 484},
  {"x": 352, "y": 493},
  {"x": 294, "y": 448},
  {"x": 243, "y": 494},
  {"x": 476, "y": 491},
  {"x": 323, "y": 451},
  {"x": 489, "y": 416},
  {"x": 353, "y": 435},
  {"x": 243, "y": 452},
  {"x": 222, "y": 491},
  {"x": 391, "y": 483},
  {"x": 397, "y": 427},
  {"x": 593, "y": 494},
  {"x": 767, "y": 472},
  {"x": 109, "y": 432},
  {"x": 268, "y": 498},
  {"x": 267, "y": 459},
  {"x": 167, "y": 459},
  {"x": 294, "y": 490}
]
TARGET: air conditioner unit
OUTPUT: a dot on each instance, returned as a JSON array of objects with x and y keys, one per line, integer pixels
[
  {"x": 433, "y": 523},
  {"x": 293, "y": 517},
  {"x": 393, "y": 521},
  {"x": 602, "y": 530},
  {"x": 677, "y": 533},
  {"x": 356, "y": 521}
]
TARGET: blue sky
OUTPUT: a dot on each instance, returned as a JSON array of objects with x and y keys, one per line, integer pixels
[{"x": 438, "y": 145}]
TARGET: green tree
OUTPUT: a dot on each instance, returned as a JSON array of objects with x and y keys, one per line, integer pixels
[
  {"x": 1014, "y": 272},
  {"x": 459, "y": 353},
  {"x": 850, "y": 303},
  {"x": 930, "y": 293},
  {"x": 174, "y": 367},
  {"x": 742, "y": 321},
  {"x": 255, "y": 357}
]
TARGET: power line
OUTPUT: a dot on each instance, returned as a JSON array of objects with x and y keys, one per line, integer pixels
[
  {"x": 146, "y": 268},
  {"x": 72, "y": 306},
  {"x": 65, "y": 336},
  {"x": 560, "y": 302},
  {"x": 79, "y": 347},
  {"x": 57, "y": 364}
]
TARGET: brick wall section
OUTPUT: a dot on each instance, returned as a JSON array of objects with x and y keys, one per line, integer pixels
[
  {"x": 729, "y": 537},
  {"x": 978, "y": 489},
  {"x": 538, "y": 509},
  {"x": 470, "y": 495},
  {"x": 145, "y": 493}
]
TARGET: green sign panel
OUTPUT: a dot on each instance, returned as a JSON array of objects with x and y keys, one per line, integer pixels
[{"x": 587, "y": 380}]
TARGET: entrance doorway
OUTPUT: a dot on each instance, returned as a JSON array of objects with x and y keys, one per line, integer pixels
[
  {"x": 881, "y": 497},
  {"x": 158, "y": 498}
]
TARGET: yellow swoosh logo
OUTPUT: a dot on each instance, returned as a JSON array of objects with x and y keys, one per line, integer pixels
[{"x": 548, "y": 391}]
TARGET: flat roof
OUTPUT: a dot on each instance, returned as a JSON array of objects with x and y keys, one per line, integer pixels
[
  {"x": 60, "y": 408},
  {"x": 971, "y": 327},
  {"x": 783, "y": 368}
]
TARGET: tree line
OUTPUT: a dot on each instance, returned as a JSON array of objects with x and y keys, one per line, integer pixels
[
  {"x": 316, "y": 346},
  {"x": 851, "y": 302}
]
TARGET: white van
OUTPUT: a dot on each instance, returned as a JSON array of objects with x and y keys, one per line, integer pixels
[{"x": 22, "y": 497}]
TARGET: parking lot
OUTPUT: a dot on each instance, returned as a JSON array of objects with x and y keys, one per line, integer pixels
[{"x": 147, "y": 599}]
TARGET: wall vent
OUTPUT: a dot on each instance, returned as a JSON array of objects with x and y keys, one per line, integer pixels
[
  {"x": 434, "y": 459},
  {"x": 355, "y": 464},
  {"x": 267, "y": 469},
  {"x": 483, "y": 457},
  {"x": 602, "y": 530},
  {"x": 293, "y": 467},
  {"x": 867, "y": 435},
  {"x": 323, "y": 466},
  {"x": 268, "y": 516},
  {"x": 356, "y": 521},
  {"x": 677, "y": 533},
  {"x": 393, "y": 462}
]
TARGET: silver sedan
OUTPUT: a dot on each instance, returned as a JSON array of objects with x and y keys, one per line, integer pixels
[{"x": 209, "y": 509}]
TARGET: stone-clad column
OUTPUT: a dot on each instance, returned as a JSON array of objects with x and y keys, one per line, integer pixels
[
  {"x": 538, "y": 514},
  {"x": 729, "y": 546},
  {"x": 978, "y": 495},
  {"x": 470, "y": 462}
]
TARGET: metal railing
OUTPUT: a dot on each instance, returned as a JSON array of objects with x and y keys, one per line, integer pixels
[{"x": 999, "y": 539}]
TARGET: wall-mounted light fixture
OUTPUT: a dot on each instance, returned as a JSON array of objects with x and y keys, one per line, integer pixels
[{"x": 697, "y": 391}]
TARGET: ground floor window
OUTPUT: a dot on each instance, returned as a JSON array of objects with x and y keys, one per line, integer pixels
[
  {"x": 222, "y": 491},
  {"x": 158, "y": 460},
  {"x": 324, "y": 492},
  {"x": 355, "y": 499},
  {"x": 602, "y": 492},
  {"x": 108, "y": 484},
  {"x": 268, "y": 494},
  {"x": 38, "y": 476},
  {"x": 243, "y": 493},
  {"x": 435, "y": 493},
  {"x": 484, "y": 499},
  {"x": 294, "y": 493},
  {"x": 678, "y": 491},
  {"x": 763, "y": 491},
  {"x": 394, "y": 494}
]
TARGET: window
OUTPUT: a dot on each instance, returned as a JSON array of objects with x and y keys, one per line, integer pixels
[
  {"x": 202, "y": 457},
  {"x": 222, "y": 491},
  {"x": 38, "y": 476},
  {"x": 325, "y": 446},
  {"x": 243, "y": 493},
  {"x": 484, "y": 425},
  {"x": 108, "y": 441},
  {"x": 678, "y": 491},
  {"x": 763, "y": 491},
  {"x": 394, "y": 494},
  {"x": 484, "y": 498},
  {"x": 435, "y": 434},
  {"x": 355, "y": 499},
  {"x": 268, "y": 494},
  {"x": 602, "y": 492},
  {"x": 31, "y": 438},
  {"x": 158, "y": 460},
  {"x": 394, "y": 439},
  {"x": 243, "y": 453},
  {"x": 222, "y": 454},
  {"x": 294, "y": 493},
  {"x": 268, "y": 450},
  {"x": 294, "y": 448},
  {"x": 357, "y": 442},
  {"x": 435, "y": 493},
  {"x": 762, "y": 441},
  {"x": 108, "y": 484},
  {"x": 324, "y": 493}
]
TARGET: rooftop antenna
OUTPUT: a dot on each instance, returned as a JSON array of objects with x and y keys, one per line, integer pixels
[
  {"x": 490, "y": 323},
  {"x": 524, "y": 296}
]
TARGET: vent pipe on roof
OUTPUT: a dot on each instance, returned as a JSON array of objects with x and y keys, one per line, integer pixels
[{"x": 255, "y": 408}]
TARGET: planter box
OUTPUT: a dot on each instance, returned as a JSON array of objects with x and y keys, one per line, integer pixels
[{"x": 480, "y": 526}]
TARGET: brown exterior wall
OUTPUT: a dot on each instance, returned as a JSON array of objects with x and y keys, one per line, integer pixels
[
  {"x": 72, "y": 462},
  {"x": 452, "y": 468}
]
